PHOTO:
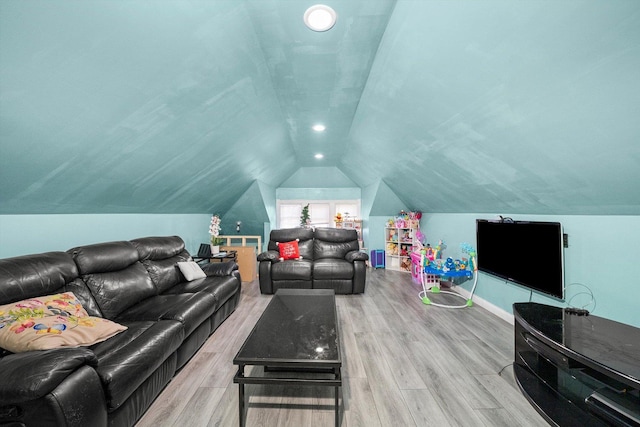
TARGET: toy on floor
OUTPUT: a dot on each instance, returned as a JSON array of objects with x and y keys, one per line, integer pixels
[{"x": 431, "y": 270}]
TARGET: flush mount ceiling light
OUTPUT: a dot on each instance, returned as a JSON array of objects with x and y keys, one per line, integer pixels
[
  {"x": 318, "y": 127},
  {"x": 320, "y": 17},
  {"x": 319, "y": 156}
]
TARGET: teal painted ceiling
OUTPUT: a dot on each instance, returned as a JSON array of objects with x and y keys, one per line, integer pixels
[{"x": 187, "y": 106}]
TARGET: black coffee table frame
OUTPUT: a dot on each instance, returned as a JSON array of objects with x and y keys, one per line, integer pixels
[{"x": 299, "y": 319}]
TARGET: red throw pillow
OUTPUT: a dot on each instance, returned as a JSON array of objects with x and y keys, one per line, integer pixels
[{"x": 289, "y": 250}]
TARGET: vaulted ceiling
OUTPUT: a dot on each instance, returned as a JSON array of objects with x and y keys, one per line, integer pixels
[{"x": 454, "y": 106}]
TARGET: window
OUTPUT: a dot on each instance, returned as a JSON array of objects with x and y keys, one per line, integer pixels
[
  {"x": 289, "y": 215},
  {"x": 321, "y": 212},
  {"x": 350, "y": 210}
]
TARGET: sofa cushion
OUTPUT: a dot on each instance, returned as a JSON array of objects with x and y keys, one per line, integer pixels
[
  {"x": 160, "y": 256},
  {"x": 116, "y": 291},
  {"x": 35, "y": 275},
  {"x": 292, "y": 270},
  {"x": 222, "y": 288},
  {"x": 104, "y": 257},
  {"x": 304, "y": 236},
  {"x": 114, "y": 276},
  {"x": 329, "y": 249},
  {"x": 165, "y": 273},
  {"x": 329, "y": 268},
  {"x": 189, "y": 309},
  {"x": 50, "y": 322},
  {"x": 220, "y": 269},
  {"x": 156, "y": 248},
  {"x": 31, "y": 375},
  {"x": 191, "y": 270},
  {"x": 126, "y": 360},
  {"x": 338, "y": 235}
]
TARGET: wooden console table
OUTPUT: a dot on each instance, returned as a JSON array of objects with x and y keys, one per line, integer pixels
[
  {"x": 247, "y": 248},
  {"x": 577, "y": 370}
]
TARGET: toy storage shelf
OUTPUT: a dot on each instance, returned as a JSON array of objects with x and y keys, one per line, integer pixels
[{"x": 399, "y": 242}]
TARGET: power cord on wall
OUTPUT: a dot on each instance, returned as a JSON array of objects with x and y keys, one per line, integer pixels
[{"x": 580, "y": 310}]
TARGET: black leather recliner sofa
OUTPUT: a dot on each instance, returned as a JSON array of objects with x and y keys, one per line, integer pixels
[
  {"x": 134, "y": 283},
  {"x": 331, "y": 259}
]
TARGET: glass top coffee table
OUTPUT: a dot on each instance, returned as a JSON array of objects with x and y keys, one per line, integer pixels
[{"x": 297, "y": 333}]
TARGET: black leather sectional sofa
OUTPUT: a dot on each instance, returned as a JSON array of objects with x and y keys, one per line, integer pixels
[
  {"x": 134, "y": 283},
  {"x": 330, "y": 259}
]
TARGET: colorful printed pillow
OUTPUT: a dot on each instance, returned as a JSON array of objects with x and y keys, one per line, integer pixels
[
  {"x": 191, "y": 270},
  {"x": 50, "y": 322},
  {"x": 289, "y": 250}
]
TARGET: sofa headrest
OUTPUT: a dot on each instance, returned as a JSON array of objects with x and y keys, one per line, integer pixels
[
  {"x": 288, "y": 235},
  {"x": 337, "y": 235},
  {"x": 104, "y": 257},
  {"x": 35, "y": 275},
  {"x": 157, "y": 248}
]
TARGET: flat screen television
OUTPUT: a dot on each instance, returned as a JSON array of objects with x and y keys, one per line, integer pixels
[{"x": 527, "y": 253}]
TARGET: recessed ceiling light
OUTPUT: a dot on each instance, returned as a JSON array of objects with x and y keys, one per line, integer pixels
[
  {"x": 318, "y": 127},
  {"x": 319, "y": 156},
  {"x": 320, "y": 17}
]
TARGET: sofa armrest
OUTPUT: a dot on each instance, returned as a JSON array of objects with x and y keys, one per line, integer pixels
[
  {"x": 33, "y": 374},
  {"x": 273, "y": 256},
  {"x": 220, "y": 269},
  {"x": 352, "y": 256}
]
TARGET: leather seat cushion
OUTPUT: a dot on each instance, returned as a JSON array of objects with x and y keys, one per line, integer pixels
[
  {"x": 189, "y": 309},
  {"x": 292, "y": 270},
  {"x": 222, "y": 288},
  {"x": 328, "y": 268},
  {"x": 126, "y": 360}
]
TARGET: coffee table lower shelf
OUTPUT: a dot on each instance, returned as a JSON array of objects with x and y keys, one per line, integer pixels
[{"x": 335, "y": 382}]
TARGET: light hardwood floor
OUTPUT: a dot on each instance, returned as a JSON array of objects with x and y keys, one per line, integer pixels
[{"x": 404, "y": 364}]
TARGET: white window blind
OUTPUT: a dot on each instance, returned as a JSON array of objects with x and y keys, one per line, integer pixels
[
  {"x": 321, "y": 213},
  {"x": 289, "y": 215}
]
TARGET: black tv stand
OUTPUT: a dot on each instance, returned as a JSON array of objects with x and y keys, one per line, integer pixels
[{"x": 577, "y": 370}]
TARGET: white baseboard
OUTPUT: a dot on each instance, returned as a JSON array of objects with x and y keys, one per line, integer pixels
[{"x": 493, "y": 309}]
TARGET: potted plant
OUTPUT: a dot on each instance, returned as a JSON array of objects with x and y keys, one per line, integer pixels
[
  {"x": 214, "y": 231},
  {"x": 305, "y": 219}
]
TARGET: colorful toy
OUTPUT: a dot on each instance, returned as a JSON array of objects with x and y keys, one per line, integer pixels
[
  {"x": 448, "y": 268},
  {"x": 392, "y": 248}
]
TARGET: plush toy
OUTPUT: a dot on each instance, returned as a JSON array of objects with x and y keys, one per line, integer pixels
[
  {"x": 449, "y": 265},
  {"x": 403, "y": 251}
]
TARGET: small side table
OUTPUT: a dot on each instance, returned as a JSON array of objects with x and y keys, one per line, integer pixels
[{"x": 225, "y": 257}]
